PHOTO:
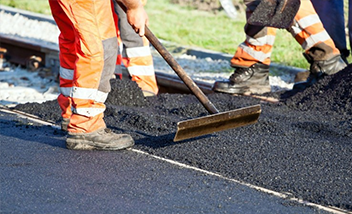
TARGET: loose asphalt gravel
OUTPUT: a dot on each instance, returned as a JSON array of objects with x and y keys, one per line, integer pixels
[{"x": 301, "y": 145}]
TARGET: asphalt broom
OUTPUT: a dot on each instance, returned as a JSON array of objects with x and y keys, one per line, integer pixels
[
  {"x": 208, "y": 124},
  {"x": 276, "y": 13}
]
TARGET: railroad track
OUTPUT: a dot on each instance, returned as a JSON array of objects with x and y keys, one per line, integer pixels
[
  {"x": 38, "y": 55},
  {"x": 34, "y": 55}
]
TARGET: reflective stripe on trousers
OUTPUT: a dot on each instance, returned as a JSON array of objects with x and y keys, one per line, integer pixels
[{"x": 135, "y": 55}]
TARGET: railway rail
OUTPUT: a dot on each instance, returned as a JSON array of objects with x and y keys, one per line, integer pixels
[
  {"x": 34, "y": 55},
  {"x": 41, "y": 55}
]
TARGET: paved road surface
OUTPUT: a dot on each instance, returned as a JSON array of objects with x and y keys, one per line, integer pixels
[{"x": 39, "y": 175}]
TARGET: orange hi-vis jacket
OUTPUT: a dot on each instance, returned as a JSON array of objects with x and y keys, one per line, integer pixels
[
  {"x": 88, "y": 52},
  {"x": 134, "y": 54},
  {"x": 307, "y": 29}
]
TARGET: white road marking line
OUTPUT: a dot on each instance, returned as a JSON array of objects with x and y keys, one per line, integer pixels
[{"x": 286, "y": 196}]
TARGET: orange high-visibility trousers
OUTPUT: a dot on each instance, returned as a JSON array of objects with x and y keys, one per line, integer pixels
[
  {"x": 135, "y": 55},
  {"x": 307, "y": 29},
  {"x": 88, "y": 52}
]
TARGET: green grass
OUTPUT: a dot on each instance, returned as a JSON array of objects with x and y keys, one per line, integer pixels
[
  {"x": 196, "y": 28},
  {"x": 214, "y": 32},
  {"x": 188, "y": 27},
  {"x": 38, "y": 6}
]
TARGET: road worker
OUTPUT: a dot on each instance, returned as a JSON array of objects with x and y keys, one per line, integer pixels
[
  {"x": 88, "y": 52},
  {"x": 135, "y": 55},
  {"x": 252, "y": 58}
]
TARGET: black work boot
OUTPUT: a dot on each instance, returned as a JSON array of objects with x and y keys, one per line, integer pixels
[
  {"x": 320, "y": 68},
  {"x": 254, "y": 79}
]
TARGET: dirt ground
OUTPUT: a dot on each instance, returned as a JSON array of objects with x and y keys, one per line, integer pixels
[{"x": 301, "y": 145}]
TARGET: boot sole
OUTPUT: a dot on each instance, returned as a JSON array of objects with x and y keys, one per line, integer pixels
[
  {"x": 81, "y": 144},
  {"x": 254, "y": 89}
]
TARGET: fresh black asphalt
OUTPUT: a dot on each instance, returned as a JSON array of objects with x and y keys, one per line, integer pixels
[{"x": 39, "y": 175}]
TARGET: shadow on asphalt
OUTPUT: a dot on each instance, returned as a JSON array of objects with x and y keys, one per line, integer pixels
[{"x": 23, "y": 129}]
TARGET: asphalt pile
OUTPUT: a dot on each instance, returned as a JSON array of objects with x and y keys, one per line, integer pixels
[
  {"x": 331, "y": 94},
  {"x": 301, "y": 145}
]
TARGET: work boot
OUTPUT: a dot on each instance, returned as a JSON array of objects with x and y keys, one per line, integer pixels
[
  {"x": 321, "y": 68},
  {"x": 254, "y": 79},
  {"x": 102, "y": 139},
  {"x": 64, "y": 124}
]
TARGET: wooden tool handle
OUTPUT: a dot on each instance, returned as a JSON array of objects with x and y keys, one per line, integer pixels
[
  {"x": 180, "y": 72},
  {"x": 177, "y": 68}
]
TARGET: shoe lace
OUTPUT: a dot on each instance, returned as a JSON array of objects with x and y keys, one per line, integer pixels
[
  {"x": 107, "y": 130},
  {"x": 239, "y": 73}
]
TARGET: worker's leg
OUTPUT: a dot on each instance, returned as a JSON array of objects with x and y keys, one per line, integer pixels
[
  {"x": 251, "y": 60},
  {"x": 137, "y": 56},
  {"x": 258, "y": 44},
  {"x": 331, "y": 14},
  {"x": 96, "y": 52},
  {"x": 67, "y": 60},
  {"x": 310, "y": 33},
  {"x": 256, "y": 48},
  {"x": 320, "y": 50}
]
